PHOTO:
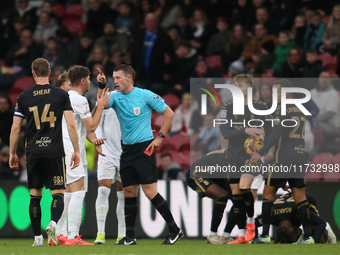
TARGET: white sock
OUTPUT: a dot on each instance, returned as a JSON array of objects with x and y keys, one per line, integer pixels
[
  {"x": 241, "y": 232},
  {"x": 120, "y": 214},
  {"x": 62, "y": 224},
  {"x": 38, "y": 237},
  {"x": 250, "y": 220},
  {"x": 102, "y": 207},
  {"x": 74, "y": 212},
  {"x": 226, "y": 234},
  {"x": 212, "y": 233}
]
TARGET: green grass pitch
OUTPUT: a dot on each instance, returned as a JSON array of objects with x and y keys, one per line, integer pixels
[{"x": 152, "y": 246}]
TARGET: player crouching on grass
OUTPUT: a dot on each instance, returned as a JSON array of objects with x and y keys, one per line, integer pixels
[
  {"x": 217, "y": 189},
  {"x": 237, "y": 133},
  {"x": 286, "y": 141}
]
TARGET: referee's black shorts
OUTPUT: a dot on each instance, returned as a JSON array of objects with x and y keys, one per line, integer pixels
[
  {"x": 136, "y": 167},
  {"x": 48, "y": 172}
]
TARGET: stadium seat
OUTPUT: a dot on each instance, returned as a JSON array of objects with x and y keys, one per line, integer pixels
[
  {"x": 74, "y": 11},
  {"x": 326, "y": 59},
  {"x": 333, "y": 176},
  {"x": 75, "y": 27},
  {"x": 172, "y": 101},
  {"x": 321, "y": 158},
  {"x": 193, "y": 140},
  {"x": 24, "y": 83},
  {"x": 186, "y": 160},
  {"x": 156, "y": 123},
  {"x": 215, "y": 62},
  {"x": 180, "y": 139},
  {"x": 58, "y": 10},
  {"x": 13, "y": 94},
  {"x": 185, "y": 147}
]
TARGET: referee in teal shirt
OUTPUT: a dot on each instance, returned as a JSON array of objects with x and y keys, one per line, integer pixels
[{"x": 134, "y": 109}]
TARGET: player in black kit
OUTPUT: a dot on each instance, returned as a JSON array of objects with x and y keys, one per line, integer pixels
[
  {"x": 237, "y": 133},
  {"x": 43, "y": 107},
  {"x": 289, "y": 150},
  {"x": 217, "y": 189}
]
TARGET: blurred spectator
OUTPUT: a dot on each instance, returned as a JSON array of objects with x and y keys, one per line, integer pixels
[
  {"x": 331, "y": 37},
  {"x": 284, "y": 12},
  {"x": 152, "y": 51},
  {"x": 252, "y": 52},
  {"x": 173, "y": 33},
  {"x": 170, "y": 169},
  {"x": 6, "y": 173},
  {"x": 313, "y": 66},
  {"x": 235, "y": 46},
  {"x": 115, "y": 60},
  {"x": 124, "y": 21},
  {"x": 91, "y": 95},
  {"x": 293, "y": 66},
  {"x": 266, "y": 94},
  {"x": 218, "y": 41},
  {"x": 187, "y": 117},
  {"x": 47, "y": 7},
  {"x": 202, "y": 30},
  {"x": 242, "y": 13},
  {"x": 13, "y": 37},
  {"x": 86, "y": 45},
  {"x": 143, "y": 7},
  {"x": 68, "y": 54},
  {"x": 99, "y": 12},
  {"x": 299, "y": 30},
  {"x": 56, "y": 71},
  {"x": 25, "y": 52},
  {"x": 182, "y": 27},
  {"x": 314, "y": 32},
  {"x": 6, "y": 119},
  {"x": 167, "y": 13},
  {"x": 45, "y": 29},
  {"x": 185, "y": 65},
  {"x": 26, "y": 11},
  {"x": 262, "y": 17},
  {"x": 112, "y": 39},
  {"x": 51, "y": 51},
  {"x": 209, "y": 134},
  {"x": 281, "y": 52},
  {"x": 97, "y": 56},
  {"x": 328, "y": 102},
  {"x": 216, "y": 8},
  {"x": 267, "y": 58}
]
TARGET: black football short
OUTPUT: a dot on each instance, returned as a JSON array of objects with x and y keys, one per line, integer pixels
[
  {"x": 281, "y": 182},
  {"x": 136, "y": 167},
  {"x": 48, "y": 172},
  {"x": 200, "y": 185}
]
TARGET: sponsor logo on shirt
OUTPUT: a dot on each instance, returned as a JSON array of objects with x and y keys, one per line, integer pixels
[{"x": 43, "y": 142}]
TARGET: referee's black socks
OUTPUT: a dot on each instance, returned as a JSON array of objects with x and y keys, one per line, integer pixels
[
  {"x": 35, "y": 214},
  {"x": 130, "y": 210},
  {"x": 304, "y": 212},
  {"x": 163, "y": 208},
  {"x": 57, "y": 207}
]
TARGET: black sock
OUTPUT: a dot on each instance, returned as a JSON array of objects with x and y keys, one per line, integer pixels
[
  {"x": 267, "y": 211},
  {"x": 35, "y": 214},
  {"x": 163, "y": 208},
  {"x": 240, "y": 211},
  {"x": 231, "y": 221},
  {"x": 130, "y": 210},
  {"x": 57, "y": 207},
  {"x": 303, "y": 208},
  {"x": 249, "y": 201},
  {"x": 218, "y": 211}
]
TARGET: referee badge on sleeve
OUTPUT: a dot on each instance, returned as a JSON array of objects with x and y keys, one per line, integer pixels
[{"x": 136, "y": 111}]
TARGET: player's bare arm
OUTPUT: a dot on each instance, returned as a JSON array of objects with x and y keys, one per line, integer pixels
[
  {"x": 72, "y": 131},
  {"x": 13, "y": 142},
  {"x": 92, "y": 122},
  {"x": 91, "y": 136},
  {"x": 168, "y": 116}
]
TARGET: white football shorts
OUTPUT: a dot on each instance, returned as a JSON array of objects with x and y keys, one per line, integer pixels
[
  {"x": 73, "y": 175},
  {"x": 108, "y": 169},
  {"x": 256, "y": 184}
]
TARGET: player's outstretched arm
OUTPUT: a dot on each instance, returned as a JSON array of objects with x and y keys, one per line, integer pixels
[
  {"x": 72, "y": 131},
  {"x": 91, "y": 136},
  {"x": 168, "y": 116},
  {"x": 13, "y": 142}
]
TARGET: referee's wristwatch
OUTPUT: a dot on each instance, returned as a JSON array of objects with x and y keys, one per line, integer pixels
[{"x": 161, "y": 135}]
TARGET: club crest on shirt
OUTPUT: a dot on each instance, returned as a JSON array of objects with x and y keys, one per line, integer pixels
[
  {"x": 136, "y": 111},
  {"x": 86, "y": 107},
  {"x": 224, "y": 114}
]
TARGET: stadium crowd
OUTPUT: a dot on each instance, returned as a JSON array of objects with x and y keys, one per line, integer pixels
[{"x": 168, "y": 42}]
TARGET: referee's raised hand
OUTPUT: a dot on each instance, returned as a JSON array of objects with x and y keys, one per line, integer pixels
[{"x": 101, "y": 77}]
